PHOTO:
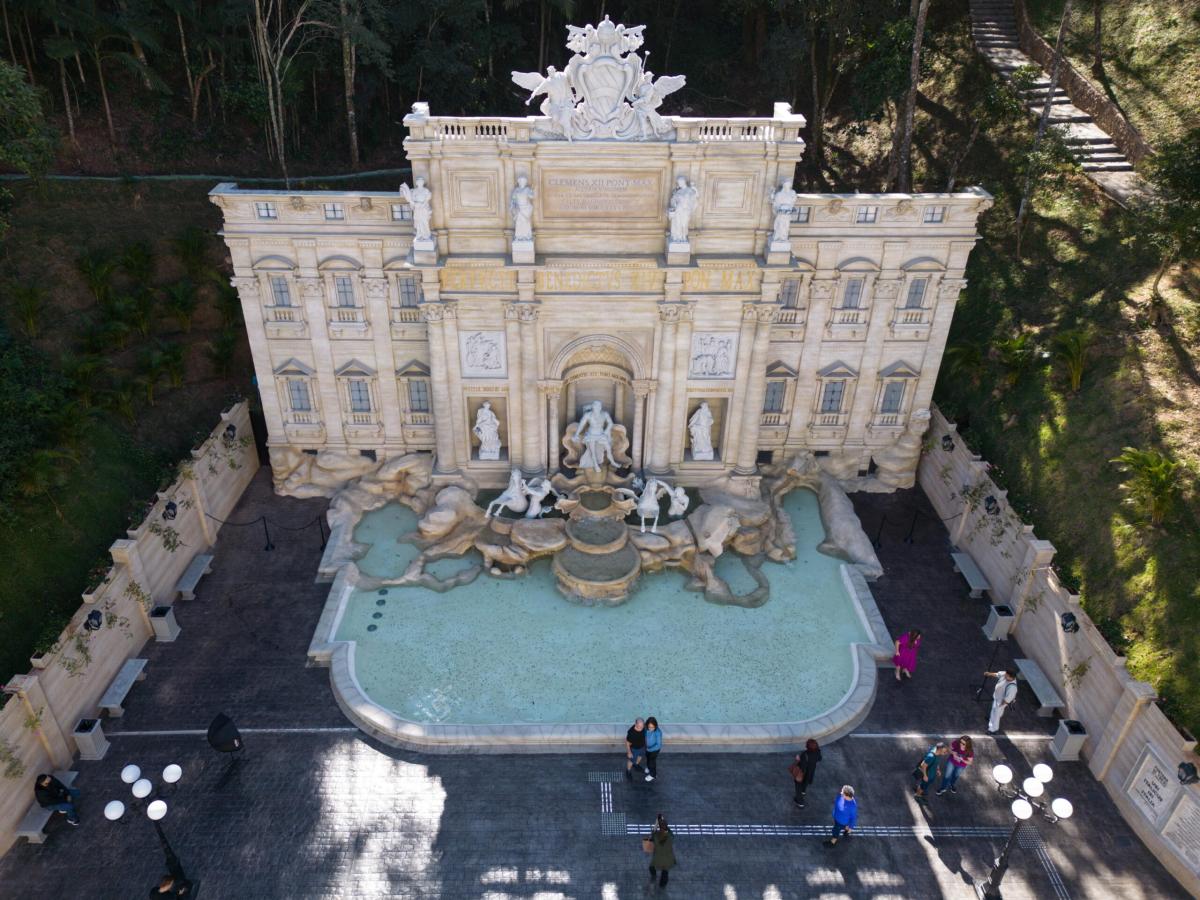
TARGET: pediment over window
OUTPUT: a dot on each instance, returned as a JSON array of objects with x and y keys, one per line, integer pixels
[
  {"x": 344, "y": 263},
  {"x": 779, "y": 369},
  {"x": 923, "y": 264},
  {"x": 274, "y": 263},
  {"x": 414, "y": 368},
  {"x": 899, "y": 369},
  {"x": 858, "y": 264},
  {"x": 294, "y": 367},
  {"x": 354, "y": 367},
  {"x": 397, "y": 263},
  {"x": 837, "y": 370}
]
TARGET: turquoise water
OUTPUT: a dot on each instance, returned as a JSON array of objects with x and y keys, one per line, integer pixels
[{"x": 506, "y": 651}]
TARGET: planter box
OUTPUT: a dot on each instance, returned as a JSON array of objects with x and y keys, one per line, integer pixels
[
  {"x": 89, "y": 737},
  {"x": 162, "y": 620},
  {"x": 999, "y": 623},
  {"x": 40, "y": 662},
  {"x": 1068, "y": 740}
]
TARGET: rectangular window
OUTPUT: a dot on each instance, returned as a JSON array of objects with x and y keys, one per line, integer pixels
[
  {"x": 776, "y": 391},
  {"x": 265, "y": 209},
  {"x": 831, "y": 396},
  {"x": 934, "y": 214},
  {"x": 335, "y": 212},
  {"x": 298, "y": 397},
  {"x": 800, "y": 214},
  {"x": 343, "y": 287},
  {"x": 852, "y": 299},
  {"x": 360, "y": 396},
  {"x": 916, "y": 293},
  {"x": 410, "y": 296},
  {"x": 280, "y": 292},
  {"x": 401, "y": 212},
  {"x": 789, "y": 292},
  {"x": 418, "y": 395},
  {"x": 893, "y": 397},
  {"x": 867, "y": 215}
]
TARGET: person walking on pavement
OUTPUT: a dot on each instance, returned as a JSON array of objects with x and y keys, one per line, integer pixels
[
  {"x": 662, "y": 857},
  {"x": 1003, "y": 696},
  {"x": 962, "y": 754},
  {"x": 845, "y": 815},
  {"x": 653, "y": 745},
  {"x": 52, "y": 794},
  {"x": 905, "y": 659},
  {"x": 927, "y": 770},
  {"x": 635, "y": 748},
  {"x": 803, "y": 770}
]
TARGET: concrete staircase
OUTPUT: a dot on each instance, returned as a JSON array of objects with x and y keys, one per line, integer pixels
[{"x": 994, "y": 29}]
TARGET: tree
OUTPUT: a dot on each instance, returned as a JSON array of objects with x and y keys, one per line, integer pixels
[
  {"x": 356, "y": 25},
  {"x": 1149, "y": 482},
  {"x": 27, "y": 142},
  {"x": 903, "y": 173},
  {"x": 1171, "y": 220},
  {"x": 280, "y": 35},
  {"x": 1071, "y": 348},
  {"x": 1097, "y": 39},
  {"x": 29, "y": 300},
  {"x": 181, "y": 303}
]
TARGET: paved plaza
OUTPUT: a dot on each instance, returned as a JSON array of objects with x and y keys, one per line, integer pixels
[{"x": 316, "y": 810}]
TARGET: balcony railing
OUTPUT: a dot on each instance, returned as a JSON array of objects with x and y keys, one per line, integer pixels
[
  {"x": 420, "y": 418},
  {"x": 406, "y": 314},
  {"x": 362, "y": 418},
  {"x": 302, "y": 418},
  {"x": 910, "y": 317},
  {"x": 829, "y": 420},
  {"x": 788, "y": 316},
  {"x": 772, "y": 418},
  {"x": 282, "y": 313},
  {"x": 347, "y": 314},
  {"x": 887, "y": 420},
  {"x": 849, "y": 316}
]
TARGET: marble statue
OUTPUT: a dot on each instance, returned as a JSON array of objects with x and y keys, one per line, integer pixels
[
  {"x": 487, "y": 429},
  {"x": 700, "y": 426},
  {"x": 419, "y": 198},
  {"x": 683, "y": 202},
  {"x": 513, "y": 498},
  {"x": 537, "y": 491},
  {"x": 783, "y": 203},
  {"x": 595, "y": 434},
  {"x": 648, "y": 502},
  {"x": 648, "y": 99},
  {"x": 520, "y": 204},
  {"x": 559, "y": 105}
]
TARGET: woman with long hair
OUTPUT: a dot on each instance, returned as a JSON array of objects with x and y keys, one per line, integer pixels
[{"x": 663, "y": 853}]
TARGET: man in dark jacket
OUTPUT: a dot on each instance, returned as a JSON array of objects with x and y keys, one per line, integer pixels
[
  {"x": 53, "y": 794},
  {"x": 806, "y": 767}
]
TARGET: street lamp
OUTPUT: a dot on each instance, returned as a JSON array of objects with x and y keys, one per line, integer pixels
[
  {"x": 156, "y": 809},
  {"x": 1024, "y": 802}
]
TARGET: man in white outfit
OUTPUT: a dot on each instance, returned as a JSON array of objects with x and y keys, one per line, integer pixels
[{"x": 1002, "y": 697}]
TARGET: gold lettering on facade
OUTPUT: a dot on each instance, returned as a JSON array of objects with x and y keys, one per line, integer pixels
[
  {"x": 721, "y": 281},
  {"x": 465, "y": 279},
  {"x": 598, "y": 281},
  {"x": 575, "y": 193}
]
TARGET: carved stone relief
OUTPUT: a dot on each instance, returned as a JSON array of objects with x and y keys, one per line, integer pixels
[
  {"x": 483, "y": 354},
  {"x": 714, "y": 354}
]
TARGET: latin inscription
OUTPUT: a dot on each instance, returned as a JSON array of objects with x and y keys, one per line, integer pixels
[
  {"x": 579, "y": 193},
  {"x": 595, "y": 281},
  {"x": 464, "y": 279}
]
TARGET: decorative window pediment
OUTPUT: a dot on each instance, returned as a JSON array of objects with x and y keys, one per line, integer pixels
[
  {"x": 779, "y": 369},
  {"x": 344, "y": 263},
  {"x": 923, "y": 264},
  {"x": 899, "y": 369},
  {"x": 858, "y": 264},
  {"x": 837, "y": 369},
  {"x": 414, "y": 368},
  {"x": 274, "y": 263},
  {"x": 293, "y": 366},
  {"x": 354, "y": 369}
]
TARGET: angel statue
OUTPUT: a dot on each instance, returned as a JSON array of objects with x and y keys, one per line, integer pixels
[
  {"x": 559, "y": 105},
  {"x": 419, "y": 198},
  {"x": 648, "y": 97}
]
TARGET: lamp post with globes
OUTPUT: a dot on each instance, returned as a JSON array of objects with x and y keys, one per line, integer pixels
[
  {"x": 1025, "y": 800},
  {"x": 156, "y": 809}
]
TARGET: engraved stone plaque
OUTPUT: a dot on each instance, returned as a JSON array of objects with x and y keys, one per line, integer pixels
[
  {"x": 1153, "y": 786},
  {"x": 714, "y": 354},
  {"x": 482, "y": 354},
  {"x": 1182, "y": 830},
  {"x": 622, "y": 194}
]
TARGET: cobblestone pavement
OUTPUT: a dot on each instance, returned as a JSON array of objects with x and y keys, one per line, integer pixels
[{"x": 314, "y": 809}]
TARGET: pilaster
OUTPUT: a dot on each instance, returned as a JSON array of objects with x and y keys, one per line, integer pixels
[
  {"x": 532, "y": 458},
  {"x": 443, "y": 423},
  {"x": 756, "y": 388},
  {"x": 516, "y": 387}
]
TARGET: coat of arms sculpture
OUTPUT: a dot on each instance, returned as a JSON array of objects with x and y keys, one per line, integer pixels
[{"x": 604, "y": 92}]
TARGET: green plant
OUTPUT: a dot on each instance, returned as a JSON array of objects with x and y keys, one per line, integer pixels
[
  {"x": 191, "y": 246},
  {"x": 221, "y": 350},
  {"x": 180, "y": 301},
  {"x": 13, "y": 767},
  {"x": 963, "y": 361},
  {"x": 140, "y": 310},
  {"x": 137, "y": 259},
  {"x": 96, "y": 268},
  {"x": 135, "y": 592},
  {"x": 171, "y": 540},
  {"x": 1016, "y": 356},
  {"x": 1074, "y": 675},
  {"x": 229, "y": 304},
  {"x": 98, "y": 575},
  {"x": 1150, "y": 481},
  {"x": 1071, "y": 349},
  {"x": 77, "y": 664},
  {"x": 29, "y": 301},
  {"x": 33, "y": 719},
  {"x": 175, "y": 364},
  {"x": 47, "y": 639}
]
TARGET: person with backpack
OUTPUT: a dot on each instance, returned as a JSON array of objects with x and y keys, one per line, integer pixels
[
  {"x": 803, "y": 768},
  {"x": 927, "y": 770}
]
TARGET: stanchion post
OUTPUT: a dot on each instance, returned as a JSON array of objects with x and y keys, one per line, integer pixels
[{"x": 269, "y": 546}]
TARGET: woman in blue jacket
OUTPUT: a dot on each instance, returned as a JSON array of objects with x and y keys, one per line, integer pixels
[
  {"x": 653, "y": 745},
  {"x": 845, "y": 815}
]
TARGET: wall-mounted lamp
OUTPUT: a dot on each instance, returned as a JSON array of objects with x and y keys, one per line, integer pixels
[
  {"x": 947, "y": 443},
  {"x": 230, "y": 431},
  {"x": 1070, "y": 624},
  {"x": 94, "y": 620},
  {"x": 1187, "y": 773},
  {"x": 991, "y": 505},
  {"x": 170, "y": 511}
]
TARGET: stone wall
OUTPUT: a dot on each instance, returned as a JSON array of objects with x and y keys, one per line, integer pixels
[
  {"x": 45, "y": 704},
  {"x": 1122, "y": 721}
]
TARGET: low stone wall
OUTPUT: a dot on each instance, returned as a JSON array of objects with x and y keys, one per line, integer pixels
[
  {"x": 1131, "y": 746},
  {"x": 1082, "y": 92},
  {"x": 37, "y": 724}
]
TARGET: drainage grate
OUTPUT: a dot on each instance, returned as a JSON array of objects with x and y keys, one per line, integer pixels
[
  {"x": 613, "y": 777},
  {"x": 612, "y": 823}
]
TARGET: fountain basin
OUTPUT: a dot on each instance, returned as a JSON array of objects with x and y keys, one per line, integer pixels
[{"x": 598, "y": 536}]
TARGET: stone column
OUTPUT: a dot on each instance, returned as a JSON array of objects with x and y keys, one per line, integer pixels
[
  {"x": 619, "y": 403},
  {"x": 443, "y": 423},
  {"x": 641, "y": 388},
  {"x": 49, "y": 731},
  {"x": 571, "y": 402},
  {"x": 552, "y": 390},
  {"x": 756, "y": 389},
  {"x": 741, "y": 386},
  {"x": 660, "y": 441},
  {"x": 516, "y": 387},
  {"x": 531, "y": 403}
]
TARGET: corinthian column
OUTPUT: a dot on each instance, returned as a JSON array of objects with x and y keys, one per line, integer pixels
[
  {"x": 516, "y": 386},
  {"x": 660, "y": 439},
  {"x": 531, "y": 405},
  {"x": 756, "y": 389},
  {"x": 641, "y": 388},
  {"x": 443, "y": 422},
  {"x": 552, "y": 390}
]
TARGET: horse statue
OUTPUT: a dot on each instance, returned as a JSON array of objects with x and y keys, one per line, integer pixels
[
  {"x": 536, "y": 491},
  {"x": 514, "y": 498},
  {"x": 648, "y": 506}
]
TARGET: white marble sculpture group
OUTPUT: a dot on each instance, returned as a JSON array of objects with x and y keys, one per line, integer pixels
[
  {"x": 487, "y": 429},
  {"x": 522, "y": 496},
  {"x": 648, "y": 501},
  {"x": 595, "y": 434},
  {"x": 700, "y": 427}
]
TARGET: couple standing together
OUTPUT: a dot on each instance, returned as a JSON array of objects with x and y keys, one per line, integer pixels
[{"x": 643, "y": 740}]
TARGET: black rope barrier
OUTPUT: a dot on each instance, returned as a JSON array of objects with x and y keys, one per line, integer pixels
[{"x": 265, "y": 522}]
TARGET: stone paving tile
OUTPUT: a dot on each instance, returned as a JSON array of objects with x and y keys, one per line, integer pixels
[{"x": 335, "y": 815}]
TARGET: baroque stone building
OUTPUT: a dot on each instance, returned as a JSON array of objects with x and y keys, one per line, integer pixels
[{"x": 553, "y": 275}]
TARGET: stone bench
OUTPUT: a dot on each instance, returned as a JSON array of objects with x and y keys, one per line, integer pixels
[
  {"x": 114, "y": 697},
  {"x": 964, "y": 565},
  {"x": 1048, "y": 699},
  {"x": 200, "y": 566},
  {"x": 31, "y": 827}
]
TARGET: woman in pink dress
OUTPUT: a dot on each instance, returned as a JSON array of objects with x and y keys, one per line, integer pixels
[{"x": 905, "y": 659}]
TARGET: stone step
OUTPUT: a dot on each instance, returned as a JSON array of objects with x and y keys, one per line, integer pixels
[
  {"x": 1099, "y": 158},
  {"x": 1096, "y": 142},
  {"x": 1107, "y": 167}
]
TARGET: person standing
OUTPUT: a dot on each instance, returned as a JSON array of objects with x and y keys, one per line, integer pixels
[
  {"x": 52, "y": 794},
  {"x": 662, "y": 857},
  {"x": 927, "y": 770},
  {"x": 635, "y": 748},
  {"x": 653, "y": 745},
  {"x": 962, "y": 754},
  {"x": 803, "y": 770},
  {"x": 845, "y": 815},
  {"x": 1003, "y": 696},
  {"x": 905, "y": 659}
]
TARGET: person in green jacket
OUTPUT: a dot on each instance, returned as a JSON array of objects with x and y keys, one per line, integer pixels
[{"x": 663, "y": 855}]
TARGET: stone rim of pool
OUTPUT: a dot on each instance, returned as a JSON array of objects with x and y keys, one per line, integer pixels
[{"x": 377, "y": 720}]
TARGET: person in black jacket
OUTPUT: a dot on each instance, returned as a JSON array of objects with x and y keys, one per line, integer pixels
[
  {"x": 175, "y": 885},
  {"x": 53, "y": 794},
  {"x": 805, "y": 767}
]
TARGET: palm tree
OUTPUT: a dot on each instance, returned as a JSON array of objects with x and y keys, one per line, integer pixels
[
  {"x": 96, "y": 268},
  {"x": 221, "y": 349},
  {"x": 191, "y": 246},
  {"x": 44, "y": 474},
  {"x": 83, "y": 374},
  {"x": 152, "y": 364},
  {"x": 1150, "y": 481},
  {"x": 141, "y": 310},
  {"x": 963, "y": 361},
  {"x": 138, "y": 262},
  {"x": 29, "y": 300},
  {"x": 175, "y": 363},
  {"x": 119, "y": 398},
  {"x": 1072, "y": 350},
  {"x": 181, "y": 302},
  {"x": 1016, "y": 355}
]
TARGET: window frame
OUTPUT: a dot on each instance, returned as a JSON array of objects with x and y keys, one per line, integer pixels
[
  {"x": 298, "y": 381},
  {"x": 866, "y": 215},
  {"x": 854, "y": 280},
  {"x": 777, "y": 389},
  {"x": 888, "y": 388},
  {"x": 419, "y": 387},
  {"x": 266, "y": 210},
  {"x": 933, "y": 215},
  {"x": 358, "y": 391},
  {"x": 341, "y": 280},
  {"x": 827, "y": 388},
  {"x": 403, "y": 281},
  {"x": 801, "y": 215},
  {"x": 401, "y": 212},
  {"x": 334, "y": 211},
  {"x": 275, "y": 282},
  {"x": 921, "y": 280}
]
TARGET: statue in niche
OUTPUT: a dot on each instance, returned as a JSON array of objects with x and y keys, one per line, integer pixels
[
  {"x": 559, "y": 105},
  {"x": 487, "y": 429},
  {"x": 783, "y": 202},
  {"x": 595, "y": 434},
  {"x": 700, "y": 426},
  {"x": 419, "y": 198},
  {"x": 520, "y": 204},
  {"x": 680, "y": 208}
]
